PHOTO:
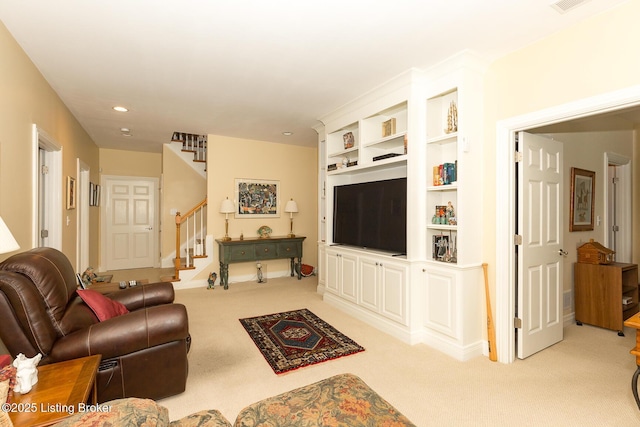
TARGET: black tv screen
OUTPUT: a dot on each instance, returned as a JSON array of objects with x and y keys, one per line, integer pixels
[{"x": 371, "y": 215}]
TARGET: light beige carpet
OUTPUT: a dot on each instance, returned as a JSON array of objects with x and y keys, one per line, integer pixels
[{"x": 582, "y": 381}]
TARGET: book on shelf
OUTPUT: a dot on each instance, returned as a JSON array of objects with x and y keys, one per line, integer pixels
[{"x": 445, "y": 173}]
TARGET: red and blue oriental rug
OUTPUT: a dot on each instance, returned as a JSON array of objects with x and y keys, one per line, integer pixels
[{"x": 298, "y": 338}]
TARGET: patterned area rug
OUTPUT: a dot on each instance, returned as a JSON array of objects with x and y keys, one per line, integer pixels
[{"x": 298, "y": 338}]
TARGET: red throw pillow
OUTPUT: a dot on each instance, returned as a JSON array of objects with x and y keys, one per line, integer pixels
[
  {"x": 5, "y": 360},
  {"x": 103, "y": 307}
]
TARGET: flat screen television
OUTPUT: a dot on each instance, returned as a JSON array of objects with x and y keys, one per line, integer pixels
[{"x": 371, "y": 215}]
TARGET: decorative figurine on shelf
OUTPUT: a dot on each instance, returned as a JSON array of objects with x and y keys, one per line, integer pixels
[
  {"x": 453, "y": 248},
  {"x": 452, "y": 118},
  {"x": 450, "y": 212},
  {"x": 212, "y": 280},
  {"x": 26, "y": 372}
]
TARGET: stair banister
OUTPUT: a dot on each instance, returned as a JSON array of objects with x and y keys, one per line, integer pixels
[{"x": 190, "y": 250}]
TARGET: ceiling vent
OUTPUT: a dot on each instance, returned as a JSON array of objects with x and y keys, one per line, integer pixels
[{"x": 563, "y": 6}]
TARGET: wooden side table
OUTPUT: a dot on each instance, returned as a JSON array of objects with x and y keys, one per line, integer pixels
[
  {"x": 634, "y": 322},
  {"x": 61, "y": 389}
]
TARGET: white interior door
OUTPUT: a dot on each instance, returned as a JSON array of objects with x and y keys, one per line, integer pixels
[
  {"x": 540, "y": 263},
  {"x": 130, "y": 222}
]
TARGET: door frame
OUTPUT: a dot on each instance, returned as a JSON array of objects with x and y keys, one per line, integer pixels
[
  {"x": 506, "y": 200},
  {"x": 53, "y": 187},
  {"x": 623, "y": 203},
  {"x": 82, "y": 231},
  {"x": 103, "y": 214}
]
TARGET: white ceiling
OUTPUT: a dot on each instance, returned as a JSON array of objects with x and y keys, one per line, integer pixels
[{"x": 252, "y": 68}]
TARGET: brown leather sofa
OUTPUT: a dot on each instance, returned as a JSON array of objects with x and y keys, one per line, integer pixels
[{"x": 144, "y": 352}]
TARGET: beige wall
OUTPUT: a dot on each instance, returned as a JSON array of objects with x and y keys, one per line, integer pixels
[
  {"x": 28, "y": 99},
  {"x": 183, "y": 188},
  {"x": 130, "y": 163},
  {"x": 297, "y": 170},
  {"x": 593, "y": 57}
]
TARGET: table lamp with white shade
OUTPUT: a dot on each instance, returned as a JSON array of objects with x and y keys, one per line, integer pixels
[
  {"x": 291, "y": 207},
  {"x": 7, "y": 241},
  {"x": 227, "y": 207}
]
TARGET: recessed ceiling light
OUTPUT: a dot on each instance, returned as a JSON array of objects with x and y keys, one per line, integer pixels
[
  {"x": 121, "y": 109},
  {"x": 125, "y": 130},
  {"x": 287, "y": 133},
  {"x": 126, "y": 134}
]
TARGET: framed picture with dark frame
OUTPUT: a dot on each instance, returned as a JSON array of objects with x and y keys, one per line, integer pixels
[
  {"x": 71, "y": 192},
  {"x": 257, "y": 198},
  {"x": 583, "y": 188}
]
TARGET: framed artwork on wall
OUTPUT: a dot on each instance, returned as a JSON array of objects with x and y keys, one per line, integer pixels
[
  {"x": 583, "y": 187},
  {"x": 257, "y": 198},
  {"x": 71, "y": 192}
]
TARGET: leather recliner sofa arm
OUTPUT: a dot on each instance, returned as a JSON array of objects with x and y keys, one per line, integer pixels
[
  {"x": 147, "y": 295},
  {"x": 125, "y": 334}
]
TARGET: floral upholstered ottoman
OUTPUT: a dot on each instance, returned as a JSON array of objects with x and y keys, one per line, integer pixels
[{"x": 342, "y": 400}]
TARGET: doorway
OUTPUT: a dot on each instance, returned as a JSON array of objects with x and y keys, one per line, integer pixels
[
  {"x": 130, "y": 222},
  {"x": 618, "y": 218},
  {"x": 47, "y": 192},
  {"x": 506, "y": 199}
]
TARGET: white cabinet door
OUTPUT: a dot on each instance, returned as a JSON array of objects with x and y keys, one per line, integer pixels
[
  {"x": 333, "y": 272},
  {"x": 369, "y": 289},
  {"x": 383, "y": 288},
  {"x": 393, "y": 285},
  {"x": 440, "y": 313},
  {"x": 349, "y": 276}
]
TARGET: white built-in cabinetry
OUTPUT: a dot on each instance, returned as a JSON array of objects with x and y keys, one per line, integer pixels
[
  {"x": 371, "y": 286},
  {"x": 417, "y": 297}
]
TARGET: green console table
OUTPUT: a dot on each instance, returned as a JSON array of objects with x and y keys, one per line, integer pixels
[{"x": 258, "y": 249}]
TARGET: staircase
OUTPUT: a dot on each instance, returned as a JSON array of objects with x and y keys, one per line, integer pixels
[
  {"x": 191, "y": 239},
  {"x": 192, "y": 143},
  {"x": 192, "y": 244}
]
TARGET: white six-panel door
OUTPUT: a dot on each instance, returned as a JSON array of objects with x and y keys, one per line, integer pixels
[
  {"x": 130, "y": 222},
  {"x": 540, "y": 256}
]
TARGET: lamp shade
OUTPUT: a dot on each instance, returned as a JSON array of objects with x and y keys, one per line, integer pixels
[
  {"x": 227, "y": 206},
  {"x": 291, "y": 206},
  {"x": 7, "y": 241}
]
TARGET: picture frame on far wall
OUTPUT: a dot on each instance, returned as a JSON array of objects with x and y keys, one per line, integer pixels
[
  {"x": 583, "y": 188},
  {"x": 257, "y": 198},
  {"x": 71, "y": 192}
]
